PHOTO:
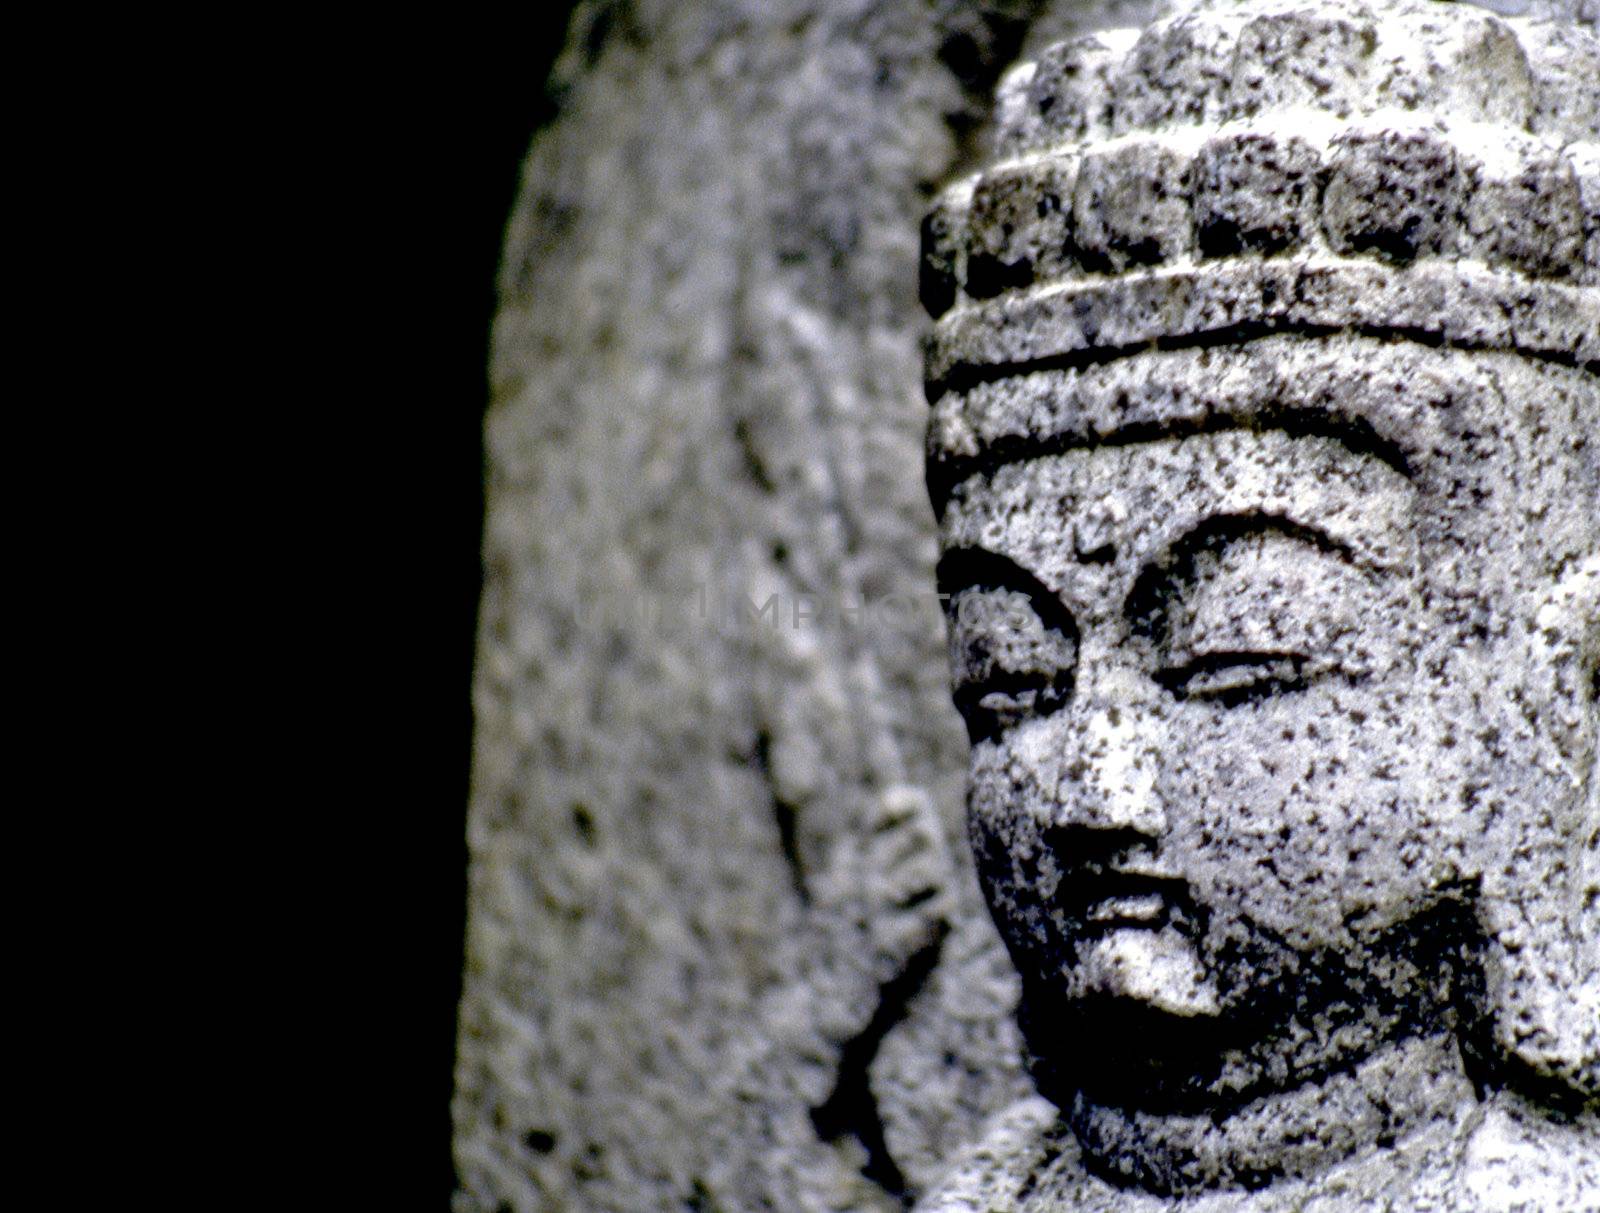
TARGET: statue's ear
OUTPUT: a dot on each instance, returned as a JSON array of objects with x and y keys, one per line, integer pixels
[{"x": 1541, "y": 865}]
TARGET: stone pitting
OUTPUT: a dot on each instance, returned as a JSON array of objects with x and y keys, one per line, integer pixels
[{"x": 1265, "y": 380}]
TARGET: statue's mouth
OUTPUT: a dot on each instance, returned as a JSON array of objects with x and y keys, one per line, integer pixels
[
  {"x": 1097, "y": 899},
  {"x": 1132, "y": 910}
]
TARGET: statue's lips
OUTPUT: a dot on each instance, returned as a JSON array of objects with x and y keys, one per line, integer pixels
[
  {"x": 1134, "y": 910},
  {"x": 1100, "y": 899}
]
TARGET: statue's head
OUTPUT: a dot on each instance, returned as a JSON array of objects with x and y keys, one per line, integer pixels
[{"x": 1266, "y": 450}]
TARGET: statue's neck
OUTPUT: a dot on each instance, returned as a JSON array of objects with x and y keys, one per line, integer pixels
[{"x": 1404, "y": 1086}]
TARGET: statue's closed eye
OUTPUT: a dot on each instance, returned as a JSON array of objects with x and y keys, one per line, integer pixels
[
  {"x": 1233, "y": 678},
  {"x": 1253, "y": 609},
  {"x": 1008, "y": 665},
  {"x": 1013, "y": 646}
]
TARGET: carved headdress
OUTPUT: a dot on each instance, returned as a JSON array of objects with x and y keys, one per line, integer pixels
[{"x": 1426, "y": 170}]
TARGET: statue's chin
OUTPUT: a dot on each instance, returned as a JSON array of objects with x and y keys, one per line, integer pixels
[
  {"x": 1158, "y": 969},
  {"x": 1133, "y": 1019}
]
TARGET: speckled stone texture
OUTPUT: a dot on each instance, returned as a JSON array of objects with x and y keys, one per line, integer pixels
[
  {"x": 726, "y": 946},
  {"x": 1266, "y": 449}
]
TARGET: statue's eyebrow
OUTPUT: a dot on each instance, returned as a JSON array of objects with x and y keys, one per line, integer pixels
[
  {"x": 970, "y": 568},
  {"x": 1146, "y": 600},
  {"x": 1355, "y": 434}
]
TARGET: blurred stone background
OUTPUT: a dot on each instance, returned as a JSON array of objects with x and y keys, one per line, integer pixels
[{"x": 724, "y": 949}]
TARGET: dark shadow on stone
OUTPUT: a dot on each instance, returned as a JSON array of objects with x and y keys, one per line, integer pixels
[{"x": 852, "y": 1109}]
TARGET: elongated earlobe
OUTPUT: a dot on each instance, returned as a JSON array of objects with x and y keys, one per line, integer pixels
[{"x": 1541, "y": 907}]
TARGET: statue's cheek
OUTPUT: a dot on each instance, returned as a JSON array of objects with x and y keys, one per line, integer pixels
[{"x": 1303, "y": 815}]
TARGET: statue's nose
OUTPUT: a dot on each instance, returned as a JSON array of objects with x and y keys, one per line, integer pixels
[{"x": 1112, "y": 742}]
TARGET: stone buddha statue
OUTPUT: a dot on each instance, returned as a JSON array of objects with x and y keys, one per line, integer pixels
[{"x": 1265, "y": 445}]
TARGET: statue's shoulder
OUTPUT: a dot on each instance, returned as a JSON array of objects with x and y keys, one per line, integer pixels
[
  {"x": 1026, "y": 1159},
  {"x": 1516, "y": 1157},
  {"x": 1502, "y": 1157}
]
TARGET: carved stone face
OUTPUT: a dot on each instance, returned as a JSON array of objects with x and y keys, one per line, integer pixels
[{"x": 1249, "y": 677}]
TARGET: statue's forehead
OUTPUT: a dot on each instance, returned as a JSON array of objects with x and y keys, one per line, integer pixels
[
  {"x": 1117, "y": 508},
  {"x": 1387, "y": 396},
  {"x": 1461, "y": 424}
]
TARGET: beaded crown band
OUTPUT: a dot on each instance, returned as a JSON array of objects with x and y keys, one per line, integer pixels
[{"x": 1420, "y": 169}]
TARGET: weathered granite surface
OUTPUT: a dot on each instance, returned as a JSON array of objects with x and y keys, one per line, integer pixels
[
  {"x": 1266, "y": 445},
  {"x": 719, "y": 881},
  {"x": 726, "y": 949}
]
